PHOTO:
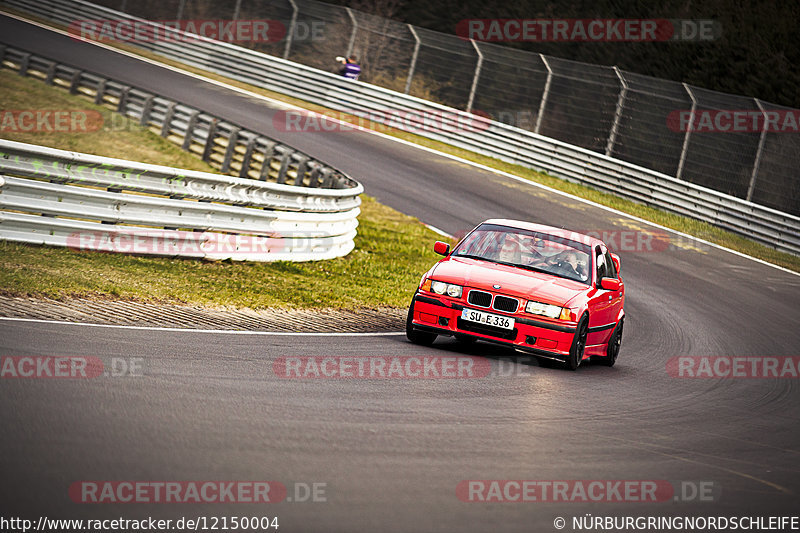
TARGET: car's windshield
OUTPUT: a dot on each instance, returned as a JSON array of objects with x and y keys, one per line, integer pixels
[{"x": 543, "y": 252}]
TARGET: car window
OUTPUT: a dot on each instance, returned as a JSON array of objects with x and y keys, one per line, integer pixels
[
  {"x": 550, "y": 253},
  {"x": 601, "y": 265},
  {"x": 611, "y": 269}
]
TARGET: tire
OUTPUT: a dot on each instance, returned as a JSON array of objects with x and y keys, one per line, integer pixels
[
  {"x": 613, "y": 346},
  {"x": 578, "y": 344},
  {"x": 423, "y": 338}
]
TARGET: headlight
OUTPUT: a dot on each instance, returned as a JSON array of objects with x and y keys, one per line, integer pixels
[
  {"x": 454, "y": 291},
  {"x": 440, "y": 287},
  {"x": 551, "y": 311}
]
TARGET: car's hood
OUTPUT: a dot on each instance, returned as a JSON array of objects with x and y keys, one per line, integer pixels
[{"x": 513, "y": 281}]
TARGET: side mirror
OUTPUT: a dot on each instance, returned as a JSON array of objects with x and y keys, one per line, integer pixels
[
  {"x": 617, "y": 264},
  {"x": 441, "y": 248},
  {"x": 610, "y": 284}
]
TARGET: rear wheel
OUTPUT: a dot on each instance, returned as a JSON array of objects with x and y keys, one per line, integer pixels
[
  {"x": 578, "y": 344},
  {"x": 613, "y": 346},
  {"x": 416, "y": 336}
]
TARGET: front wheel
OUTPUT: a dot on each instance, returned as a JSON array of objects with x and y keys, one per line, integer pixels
[
  {"x": 424, "y": 338},
  {"x": 613, "y": 346},
  {"x": 578, "y": 344}
]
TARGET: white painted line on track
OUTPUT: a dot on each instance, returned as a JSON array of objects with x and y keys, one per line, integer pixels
[
  {"x": 283, "y": 105},
  {"x": 439, "y": 231},
  {"x": 189, "y": 330}
]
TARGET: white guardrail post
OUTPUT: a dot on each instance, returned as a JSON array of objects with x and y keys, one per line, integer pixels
[
  {"x": 55, "y": 197},
  {"x": 458, "y": 128}
]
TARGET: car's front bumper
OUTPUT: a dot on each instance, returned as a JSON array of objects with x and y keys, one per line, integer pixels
[{"x": 537, "y": 337}]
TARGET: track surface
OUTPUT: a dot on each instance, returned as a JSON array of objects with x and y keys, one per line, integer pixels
[{"x": 393, "y": 451}]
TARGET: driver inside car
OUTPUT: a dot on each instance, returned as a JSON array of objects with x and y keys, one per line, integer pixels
[
  {"x": 567, "y": 262},
  {"x": 509, "y": 250}
]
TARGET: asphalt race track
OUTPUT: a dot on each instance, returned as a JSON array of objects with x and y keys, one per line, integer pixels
[{"x": 392, "y": 452}]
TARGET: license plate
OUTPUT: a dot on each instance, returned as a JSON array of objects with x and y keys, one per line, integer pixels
[{"x": 487, "y": 319}]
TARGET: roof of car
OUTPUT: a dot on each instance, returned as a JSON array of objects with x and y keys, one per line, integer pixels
[{"x": 551, "y": 230}]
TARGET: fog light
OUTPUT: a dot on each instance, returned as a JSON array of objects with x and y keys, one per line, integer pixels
[
  {"x": 530, "y": 340},
  {"x": 443, "y": 321}
]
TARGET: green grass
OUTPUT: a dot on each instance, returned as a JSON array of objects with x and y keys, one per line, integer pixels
[{"x": 392, "y": 250}]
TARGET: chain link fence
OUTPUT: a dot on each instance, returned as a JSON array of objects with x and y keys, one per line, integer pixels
[{"x": 618, "y": 113}]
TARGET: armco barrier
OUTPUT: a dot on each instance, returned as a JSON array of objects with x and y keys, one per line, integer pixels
[
  {"x": 491, "y": 138},
  {"x": 56, "y": 197},
  {"x": 223, "y": 145}
]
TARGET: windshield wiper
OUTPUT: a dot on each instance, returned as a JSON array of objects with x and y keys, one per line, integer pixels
[
  {"x": 533, "y": 268},
  {"x": 469, "y": 256}
]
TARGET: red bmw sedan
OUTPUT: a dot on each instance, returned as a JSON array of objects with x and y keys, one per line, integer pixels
[{"x": 541, "y": 290}]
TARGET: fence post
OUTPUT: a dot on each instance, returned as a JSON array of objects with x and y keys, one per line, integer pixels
[
  {"x": 24, "y": 63},
  {"x": 353, "y": 33},
  {"x": 209, "y": 146},
  {"x": 122, "y": 104},
  {"x": 302, "y": 168},
  {"x": 147, "y": 108},
  {"x": 100, "y": 92},
  {"x": 286, "y": 158},
  {"x": 75, "y": 82},
  {"x": 475, "y": 77},
  {"x": 233, "y": 140},
  {"x": 757, "y": 162},
  {"x": 685, "y": 147},
  {"x": 545, "y": 94},
  {"x": 269, "y": 151},
  {"x": 187, "y": 139},
  {"x": 327, "y": 178},
  {"x": 314, "y": 176},
  {"x": 51, "y": 73},
  {"x": 248, "y": 157},
  {"x": 168, "y": 116},
  {"x": 413, "y": 58},
  {"x": 612, "y": 135},
  {"x": 290, "y": 33}
]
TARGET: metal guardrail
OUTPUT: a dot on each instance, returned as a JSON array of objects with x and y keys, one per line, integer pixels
[
  {"x": 226, "y": 146},
  {"x": 87, "y": 202},
  {"x": 618, "y": 113},
  {"x": 491, "y": 138}
]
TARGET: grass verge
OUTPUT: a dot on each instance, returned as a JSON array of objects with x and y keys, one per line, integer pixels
[{"x": 392, "y": 250}]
